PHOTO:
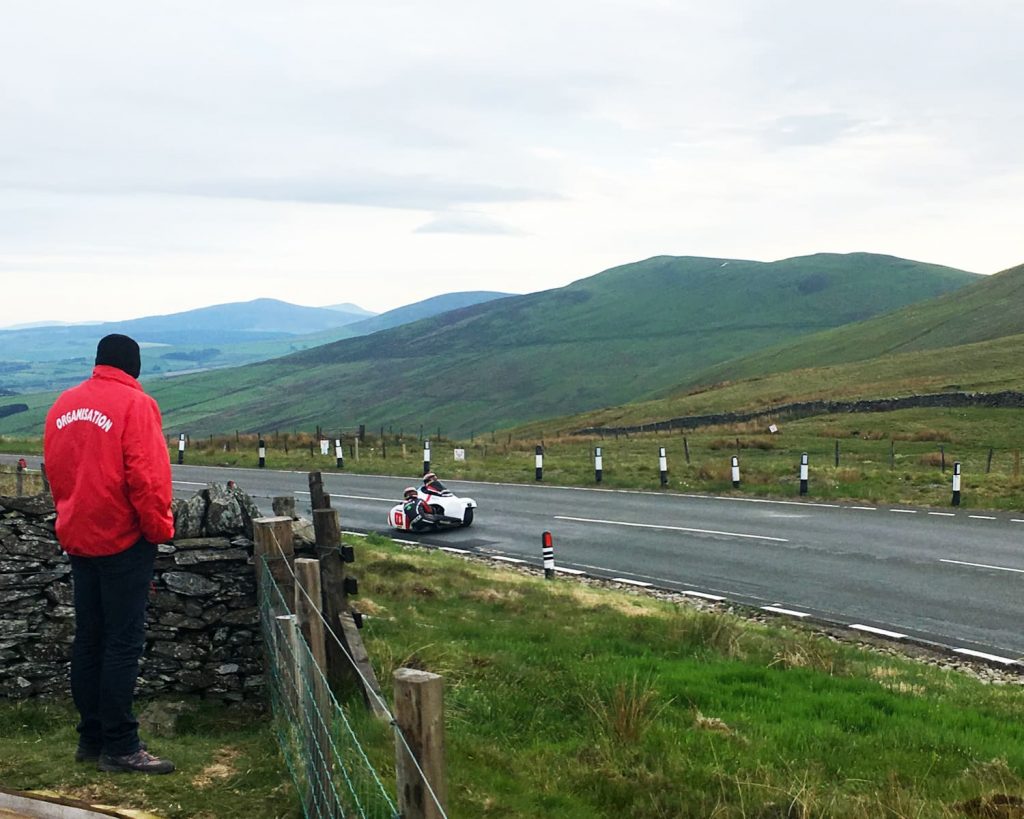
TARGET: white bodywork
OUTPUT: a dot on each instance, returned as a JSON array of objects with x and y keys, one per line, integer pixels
[{"x": 454, "y": 511}]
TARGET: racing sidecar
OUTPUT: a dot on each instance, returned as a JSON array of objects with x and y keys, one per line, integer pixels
[{"x": 451, "y": 511}]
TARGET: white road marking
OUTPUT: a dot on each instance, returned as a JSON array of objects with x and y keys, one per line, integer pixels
[
  {"x": 943, "y": 514},
  {"x": 670, "y": 528},
  {"x": 866, "y": 508},
  {"x": 640, "y": 583},
  {"x": 453, "y": 550},
  {"x": 1016, "y": 520},
  {"x": 353, "y": 497},
  {"x": 189, "y": 483},
  {"x": 790, "y": 612},
  {"x": 982, "y": 517},
  {"x": 993, "y": 657},
  {"x": 894, "y": 634},
  {"x": 566, "y": 570},
  {"x": 767, "y": 500},
  {"x": 506, "y": 559},
  {"x": 981, "y": 566},
  {"x": 904, "y": 511},
  {"x": 702, "y": 595}
]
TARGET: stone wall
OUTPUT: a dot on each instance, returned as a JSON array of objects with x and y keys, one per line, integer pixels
[
  {"x": 203, "y": 623},
  {"x": 805, "y": 409}
]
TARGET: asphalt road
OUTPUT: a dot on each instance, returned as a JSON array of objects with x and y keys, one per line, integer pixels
[{"x": 950, "y": 577}]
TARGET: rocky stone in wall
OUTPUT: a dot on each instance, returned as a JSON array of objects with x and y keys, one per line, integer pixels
[{"x": 202, "y": 625}]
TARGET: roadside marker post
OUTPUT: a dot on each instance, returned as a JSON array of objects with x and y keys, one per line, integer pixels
[
  {"x": 539, "y": 461},
  {"x": 339, "y": 454},
  {"x": 663, "y": 465},
  {"x": 598, "y": 465},
  {"x": 804, "y": 469},
  {"x": 426, "y": 457},
  {"x": 181, "y": 448},
  {"x": 548, "y": 550},
  {"x": 262, "y": 453},
  {"x": 735, "y": 472},
  {"x": 956, "y": 483}
]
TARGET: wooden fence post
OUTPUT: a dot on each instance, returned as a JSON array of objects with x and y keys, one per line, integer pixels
[
  {"x": 284, "y": 659},
  {"x": 273, "y": 541},
  {"x": 419, "y": 714},
  {"x": 308, "y": 605},
  {"x": 336, "y": 587}
]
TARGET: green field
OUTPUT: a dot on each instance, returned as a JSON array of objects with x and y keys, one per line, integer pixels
[
  {"x": 567, "y": 699},
  {"x": 629, "y": 332},
  {"x": 903, "y": 457}
]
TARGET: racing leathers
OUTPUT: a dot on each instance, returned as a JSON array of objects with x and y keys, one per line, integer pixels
[
  {"x": 433, "y": 487},
  {"x": 418, "y": 515}
]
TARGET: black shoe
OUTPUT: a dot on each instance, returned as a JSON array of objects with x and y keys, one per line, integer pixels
[
  {"x": 141, "y": 761},
  {"x": 84, "y": 753}
]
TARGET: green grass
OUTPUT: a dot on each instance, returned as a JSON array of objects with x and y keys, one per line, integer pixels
[
  {"x": 891, "y": 457},
  {"x": 989, "y": 309},
  {"x": 227, "y": 764},
  {"x": 631, "y": 331},
  {"x": 570, "y": 700}
]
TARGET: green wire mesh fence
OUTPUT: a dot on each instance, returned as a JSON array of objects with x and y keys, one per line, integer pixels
[{"x": 329, "y": 766}]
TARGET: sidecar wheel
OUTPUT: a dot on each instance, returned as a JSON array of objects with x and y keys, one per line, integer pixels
[{"x": 468, "y": 517}]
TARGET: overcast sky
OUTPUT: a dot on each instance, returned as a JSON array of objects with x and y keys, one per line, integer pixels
[{"x": 160, "y": 156}]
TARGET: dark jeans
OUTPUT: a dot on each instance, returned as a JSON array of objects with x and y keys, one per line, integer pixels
[{"x": 110, "y": 633}]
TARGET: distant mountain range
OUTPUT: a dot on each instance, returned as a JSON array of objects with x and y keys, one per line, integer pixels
[
  {"x": 622, "y": 335},
  {"x": 56, "y": 355}
]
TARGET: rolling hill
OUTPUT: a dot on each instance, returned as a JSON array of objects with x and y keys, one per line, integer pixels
[
  {"x": 990, "y": 308},
  {"x": 617, "y": 336},
  {"x": 969, "y": 340}
]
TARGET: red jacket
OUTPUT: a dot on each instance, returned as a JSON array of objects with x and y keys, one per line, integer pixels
[{"x": 108, "y": 467}]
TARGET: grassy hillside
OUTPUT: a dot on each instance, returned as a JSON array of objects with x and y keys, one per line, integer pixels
[
  {"x": 990, "y": 308},
  {"x": 611, "y": 338},
  {"x": 988, "y": 366}
]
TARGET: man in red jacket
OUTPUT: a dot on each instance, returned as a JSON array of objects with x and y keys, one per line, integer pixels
[{"x": 111, "y": 481}]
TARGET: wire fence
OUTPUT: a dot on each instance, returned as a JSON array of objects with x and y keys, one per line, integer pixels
[
  {"x": 328, "y": 764},
  {"x": 330, "y": 767}
]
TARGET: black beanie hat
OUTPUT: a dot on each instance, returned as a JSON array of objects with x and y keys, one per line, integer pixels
[{"x": 120, "y": 351}]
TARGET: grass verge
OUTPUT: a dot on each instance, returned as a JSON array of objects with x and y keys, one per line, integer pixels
[
  {"x": 903, "y": 457},
  {"x": 570, "y": 699},
  {"x": 227, "y": 764}
]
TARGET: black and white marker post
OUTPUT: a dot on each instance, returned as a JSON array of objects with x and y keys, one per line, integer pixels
[
  {"x": 663, "y": 465},
  {"x": 803, "y": 474},
  {"x": 339, "y": 453},
  {"x": 548, "y": 550},
  {"x": 263, "y": 453},
  {"x": 956, "y": 483},
  {"x": 735, "y": 472},
  {"x": 181, "y": 448},
  {"x": 426, "y": 457},
  {"x": 598, "y": 465},
  {"x": 539, "y": 461}
]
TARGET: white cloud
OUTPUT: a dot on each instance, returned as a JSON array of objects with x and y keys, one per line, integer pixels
[{"x": 391, "y": 151}]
